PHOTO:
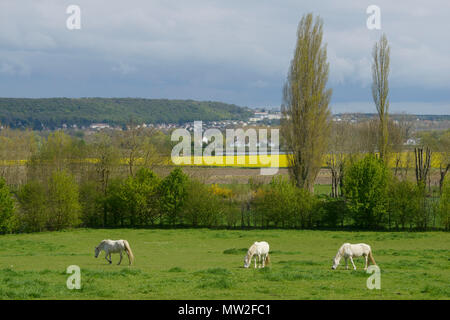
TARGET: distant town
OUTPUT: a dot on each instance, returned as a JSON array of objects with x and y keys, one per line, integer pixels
[{"x": 272, "y": 117}]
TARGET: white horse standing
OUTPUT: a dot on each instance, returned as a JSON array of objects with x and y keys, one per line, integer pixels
[
  {"x": 261, "y": 251},
  {"x": 114, "y": 246},
  {"x": 350, "y": 251}
]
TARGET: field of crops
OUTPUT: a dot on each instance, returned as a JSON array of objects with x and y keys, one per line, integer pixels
[
  {"x": 248, "y": 161},
  {"x": 281, "y": 161},
  {"x": 208, "y": 264}
]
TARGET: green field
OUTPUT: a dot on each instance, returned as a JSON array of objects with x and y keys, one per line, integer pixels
[{"x": 208, "y": 264}]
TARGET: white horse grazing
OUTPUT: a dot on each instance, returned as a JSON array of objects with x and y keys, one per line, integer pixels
[
  {"x": 261, "y": 250},
  {"x": 114, "y": 246},
  {"x": 350, "y": 251}
]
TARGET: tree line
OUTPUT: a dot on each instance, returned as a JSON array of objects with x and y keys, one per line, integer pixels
[
  {"x": 53, "y": 113},
  {"x": 111, "y": 180}
]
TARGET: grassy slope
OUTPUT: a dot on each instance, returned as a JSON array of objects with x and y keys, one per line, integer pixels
[
  {"x": 191, "y": 264},
  {"x": 56, "y": 111}
]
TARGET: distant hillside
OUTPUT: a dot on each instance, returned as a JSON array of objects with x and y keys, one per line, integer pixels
[{"x": 54, "y": 112}]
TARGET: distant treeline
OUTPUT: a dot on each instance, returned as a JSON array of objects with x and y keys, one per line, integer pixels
[
  {"x": 398, "y": 116},
  {"x": 51, "y": 113}
]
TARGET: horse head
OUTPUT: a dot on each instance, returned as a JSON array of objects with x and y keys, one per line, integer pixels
[
  {"x": 336, "y": 261},
  {"x": 246, "y": 261}
]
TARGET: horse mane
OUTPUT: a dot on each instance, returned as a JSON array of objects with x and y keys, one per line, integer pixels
[
  {"x": 340, "y": 252},
  {"x": 251, "y": 250}
]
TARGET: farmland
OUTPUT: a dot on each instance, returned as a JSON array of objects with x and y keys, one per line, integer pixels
[{"x": 207, "y": 264}]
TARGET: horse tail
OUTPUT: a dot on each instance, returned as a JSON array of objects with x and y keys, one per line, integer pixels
[
  {"x": 129, "y": 252},
  {"x": 267, "y": 259},
  {"x": 371, "y": 257}
]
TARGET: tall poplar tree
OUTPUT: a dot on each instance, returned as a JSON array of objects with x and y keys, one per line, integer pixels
[
  {"x": 380, "y": 91},
  {"x": 305, "y": 124}
]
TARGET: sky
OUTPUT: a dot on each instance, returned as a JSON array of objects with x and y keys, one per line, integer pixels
[{"x": 221, "y": 50}]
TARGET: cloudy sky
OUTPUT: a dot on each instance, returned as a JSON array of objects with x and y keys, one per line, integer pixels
[{"x": 223, "y": 50}]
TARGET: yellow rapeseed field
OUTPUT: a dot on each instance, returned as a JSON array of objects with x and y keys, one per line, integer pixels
[{"x": 248, "y": 161}]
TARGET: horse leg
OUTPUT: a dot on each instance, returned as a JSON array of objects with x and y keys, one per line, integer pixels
[
  {"x": 120, "y": 260},
  {"x": 367, "y": 258},
  {"x": 351, "y": 260},
  {"x": 346, "y": 263},
  {"x": 106, "y": 257},
  {"x": 264, "y": 260}
]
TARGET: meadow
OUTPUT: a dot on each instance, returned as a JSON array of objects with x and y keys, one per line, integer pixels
[{"x": 208, "y": 264}]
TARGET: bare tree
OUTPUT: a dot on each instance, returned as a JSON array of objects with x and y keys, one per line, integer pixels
[
  {"x": 380, "y": 91},
  {"x": 143, "y": 146},
  {"x": 339, "y": 152},
  {"x": 422, "y": 165},
  {"x": 305, "y": 125}
]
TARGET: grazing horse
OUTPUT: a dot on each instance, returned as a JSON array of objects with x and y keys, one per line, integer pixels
[
  {"x": 261, "y": 250},
  {"x": 114, "y": 246},
  {"x": 350, "y": 251}
]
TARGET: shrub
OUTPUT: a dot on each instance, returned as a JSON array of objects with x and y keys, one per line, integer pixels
[
  {"x": 32, "y": 200},
  {"x": 134, "y": 201},
  {"x": 172, "y": 192},
  {"x": 7, "y": 210},
  {"x": 91, "y": 201},
  {"x": 404, "y": 203},
  {"x": 63, "y": 201},
  {"x": 333, "y": 211},
  {"x": 202, "y": 207},
  {"x": 281, "y": 203},
  {"x": 444, "y": 204},
  {"x": 365, "y": 188}
]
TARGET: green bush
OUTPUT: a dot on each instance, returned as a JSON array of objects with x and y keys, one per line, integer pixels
[
  {"x": 281, "y": 203},
  {"x": 172, "y": 194},
  {"x": 333, "y": 212},
  {"x": 91, "y": 201},
  {"x": 134, "y": 201},
  {"x": 7, "y": 210},
  {"x": 444, "y": 204},
  {"x": 32, "y": 199},
  {"x": 63, "y": 201},
  {"x": 365, "y": 188},
  {"x": 404, "y": 200},
  {"x": 201, "y": 206}
]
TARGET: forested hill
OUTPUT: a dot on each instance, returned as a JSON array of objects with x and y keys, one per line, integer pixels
[{"x": 54, "y": 112}]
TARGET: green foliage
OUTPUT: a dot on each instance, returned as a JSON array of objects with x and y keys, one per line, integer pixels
[
  {"x": 333, "y": 212},
  {"x": 54, "y": 112},
  {"x": 305, "y": 127},
  {"x": 283, "y": 204},
  {"x": 404, "y": 199},
  {"x": 172, "y": 194},
  {"x": 63, "y": 201},
  {"x": 32, "y": 199},
  {"x": 91, "y": 201},
  {"x": 365, "y": 188},
  {"x": 134, "y": 201},
  {"x": 444, "y": 204},
  {"x": 202, "y": 206},
  {"x": 7, "y": 210}
]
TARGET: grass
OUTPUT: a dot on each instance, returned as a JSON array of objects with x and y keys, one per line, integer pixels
[{"x": 208, "y": 264}]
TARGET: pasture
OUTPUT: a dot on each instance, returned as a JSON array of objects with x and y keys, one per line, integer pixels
[{"x": 208, "y": 264}]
